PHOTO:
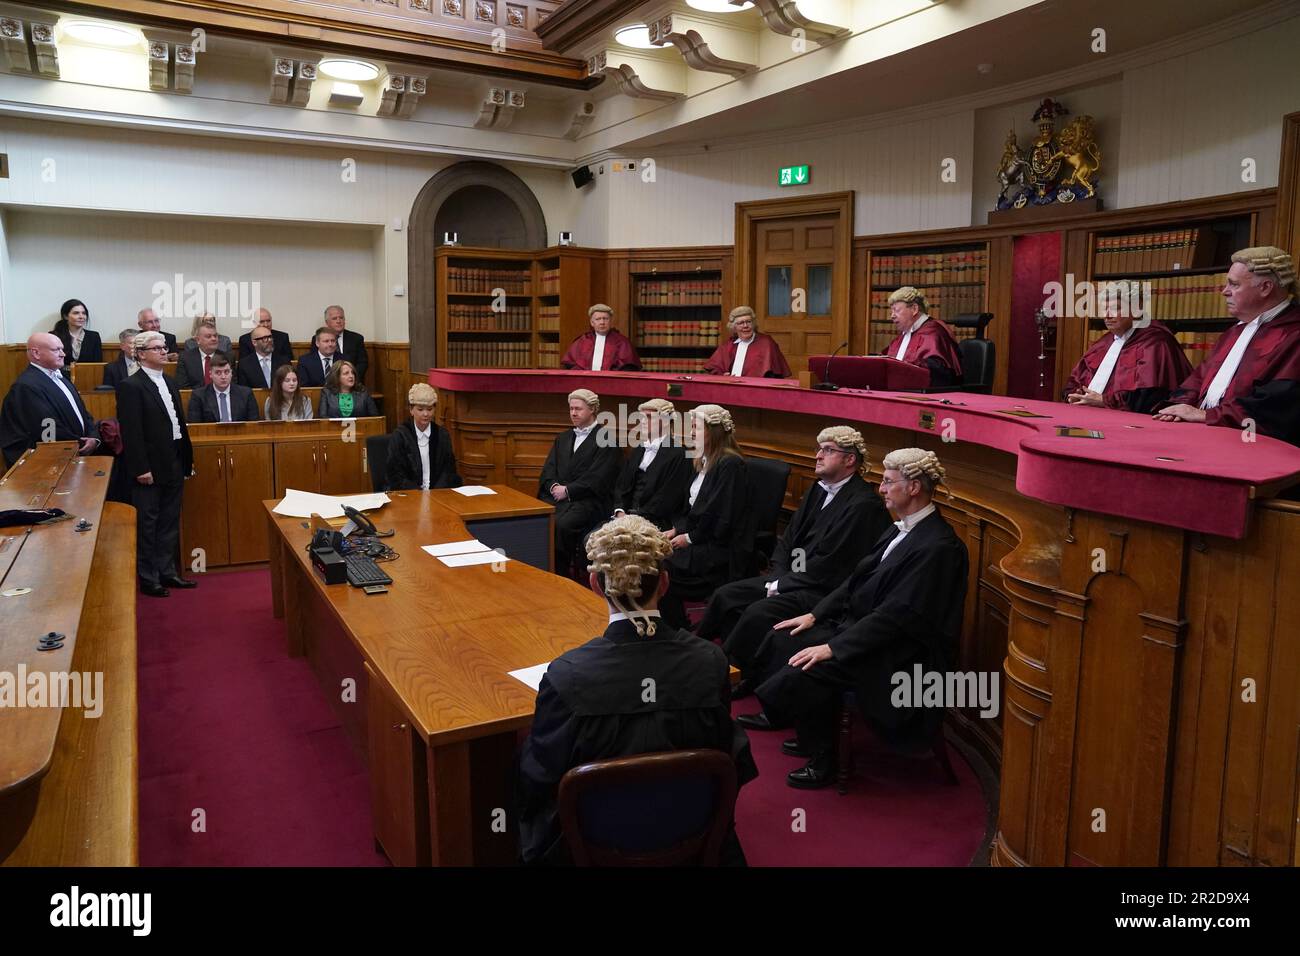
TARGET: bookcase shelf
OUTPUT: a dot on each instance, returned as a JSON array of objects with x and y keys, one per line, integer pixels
[
  {"x": 676, "y": 311},
  {"x": 952, "y": 276}
]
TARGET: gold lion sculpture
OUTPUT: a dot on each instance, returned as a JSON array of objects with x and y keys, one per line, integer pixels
[{"x": 1078, "y": 147}]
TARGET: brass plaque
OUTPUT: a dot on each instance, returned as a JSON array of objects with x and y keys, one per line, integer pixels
[{"x": 926, "y": 421}]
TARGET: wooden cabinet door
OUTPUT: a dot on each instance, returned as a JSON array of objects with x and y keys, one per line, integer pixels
[
  {"x": 343, "y": 467},
  {"x": 398, "y": 786},
  {"x": 298, "y": 466},
  {"x": 249, "y": 481},
  {"x": 204, "y": 514}
]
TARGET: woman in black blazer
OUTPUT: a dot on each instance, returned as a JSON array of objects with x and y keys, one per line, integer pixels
[
  {"x": 80, "y": 344},
  {"x": 405, "y": 469},
  {"x": 344, "y": 396},
  {"x": 711, "y": 516}
]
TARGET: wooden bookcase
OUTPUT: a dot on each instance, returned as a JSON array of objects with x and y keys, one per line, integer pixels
[
  {"x": 676, "y": 312},
  {"x": 954, "y": 277}
]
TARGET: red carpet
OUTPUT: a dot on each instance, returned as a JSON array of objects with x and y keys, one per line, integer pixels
[{"x": 232, "y": 726}]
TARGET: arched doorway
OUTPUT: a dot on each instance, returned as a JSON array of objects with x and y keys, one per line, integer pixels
[{"x": 486, "y": 205}]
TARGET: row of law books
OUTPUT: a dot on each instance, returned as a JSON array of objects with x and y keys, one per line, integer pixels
[
  {"x": 548, "y": 354},
  {"x": 548, "y": 318},
  {"x": 1196, "y": 345},
  {"x": 482, "y": 318},
  {"x": 1165, "y": 251},
  {"x": 704, "y": 333},
  {"x": 679, "y": 291},
  {"x": 1189, "y": 297},
  {"x": 489, "y": 354},
  {"x": 684, "y": 366},
  {"x": 550, "y": 282},
  {"x": 476, "y": 280},
  {"x": 941, "y": 303},
  {"x": 930, "y": 268}
]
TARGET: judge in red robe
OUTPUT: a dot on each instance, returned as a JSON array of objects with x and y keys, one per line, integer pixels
[
  {"x": 1253, "y": 372},
  {"x": 922, "y": 340},
  {"x": 750, "y": 353},
  {"x": 603, "y": 348},
  {"x": 1133, "y": 367}
]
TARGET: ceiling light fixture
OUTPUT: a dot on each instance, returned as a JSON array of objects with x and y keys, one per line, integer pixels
[
  {"x": 354, "y": 71},
  {"x": 101, "y": 34},
  {"x": 717, "y": 6},
  {"x": 636, "y": 36},
  {"x": 343, "y": 93}
]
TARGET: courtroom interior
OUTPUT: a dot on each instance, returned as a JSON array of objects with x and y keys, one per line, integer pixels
[{"x": 769, "y": 433}]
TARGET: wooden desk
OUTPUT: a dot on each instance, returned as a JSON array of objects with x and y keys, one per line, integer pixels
[
  {"x": 68, "y": 781},
  {"x": 435, "y": 711}
]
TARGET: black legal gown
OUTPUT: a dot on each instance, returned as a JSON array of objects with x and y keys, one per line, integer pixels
[{"x": 590, "y": 706}]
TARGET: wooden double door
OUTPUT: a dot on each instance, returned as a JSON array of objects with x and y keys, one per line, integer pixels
[{"x": 794, "y": 280}]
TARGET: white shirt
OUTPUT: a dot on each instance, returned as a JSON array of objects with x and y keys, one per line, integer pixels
[
  {"x": 598, "y": 353},
  {"x": 831, "y": 490},
  {"x": 905, "y": 528},
  {"x": 157, "y": 376},
  {"x": 907, "y": 336},
  {"x": 738, "y": 364},
  {"x": 132, "y": 366},
  {"x": 76, "y": 338},
  {"x": 1108, "y": 362},
  {"x": 580, "y": 435},
  {"x": 620, "y": 616},
  {"x": 1223, "y": 378},
  {"x": 651, "y": 449},
  {"x": 60, "y": 381},
  {"x": 695, "y": 487},
  {"x": 422, "y": 440}
]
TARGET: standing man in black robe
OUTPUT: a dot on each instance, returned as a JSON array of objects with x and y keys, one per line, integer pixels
[
  {"x": 591, "y": 703},
  {"x": 42, "y": 405},
  {"x": 578, "y": 477},
  {"x": 656, "y": 475},
  {"x": 901, "y": 606},
  {"x": 837, "y": 521}
]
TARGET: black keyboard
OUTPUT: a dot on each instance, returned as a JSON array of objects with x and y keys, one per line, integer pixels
[{"x": 363, "y": 572}]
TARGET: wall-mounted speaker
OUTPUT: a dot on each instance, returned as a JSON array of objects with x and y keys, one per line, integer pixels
[{"x": 582, "y": 176}]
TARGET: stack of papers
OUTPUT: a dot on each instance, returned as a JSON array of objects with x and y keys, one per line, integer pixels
[
  {"x": 461, "y": 554},
  {"x": 469, "y": 491},
  {"x": 304, "y": 504},
  {"x": 532, "y": 676}
]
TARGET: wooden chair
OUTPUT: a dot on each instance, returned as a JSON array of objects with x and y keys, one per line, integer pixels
[
  {"x": 844, "y": 746},
  {"x": 659, "y": 809}
]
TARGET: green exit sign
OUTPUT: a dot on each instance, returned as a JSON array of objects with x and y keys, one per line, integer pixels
[{"x": 795, "y": 176}]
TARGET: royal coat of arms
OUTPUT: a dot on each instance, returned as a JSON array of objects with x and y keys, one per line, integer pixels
[{"x": 1058, "y": 168}]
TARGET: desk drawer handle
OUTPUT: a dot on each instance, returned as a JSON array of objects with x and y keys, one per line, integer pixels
[
  {"x": 232, "y": 462},
  {"x": 313, "y": 456},
  {"x": 219, "y": 466},
  {"x": 326, "y": 453},
  {"x": 399, "y": 726}
]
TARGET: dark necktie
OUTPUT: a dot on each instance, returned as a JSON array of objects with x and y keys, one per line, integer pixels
[{"x": 225, "y": 408}]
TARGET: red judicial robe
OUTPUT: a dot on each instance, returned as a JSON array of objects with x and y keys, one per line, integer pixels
[
  {"x": 762, "y": 358},
  {"x": 1266, "y": 387},
  {"x": 932, "y": 346},
  {"x": 1151, "y": 365},
  {"x": 619, "y": 355}
]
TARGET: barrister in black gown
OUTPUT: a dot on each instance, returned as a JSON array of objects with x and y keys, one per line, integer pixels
[
  {"x": 655, "y": 476},
  {"x": 591, "y": 703},
  {"x": 578, "y": 476},
  {"x": 420, "y": 456},
  {"x": 709, "y": 531},
  {"x": 901, "y": 607},
  {"x": 837, "y": 521},
  {"x": 80, "y": 344},
  {"x": 43, "y": 405}
]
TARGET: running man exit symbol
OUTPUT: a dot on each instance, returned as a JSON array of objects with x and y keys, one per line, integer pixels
[{"x": 795, "y": 175}]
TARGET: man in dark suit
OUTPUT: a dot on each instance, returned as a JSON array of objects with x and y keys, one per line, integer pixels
[
  {"x": 314, "y": 367},
  {"x": 351, "y": 345},
  {"x": 899, "y": 610},
  {"x": 282, "y": 350},
  {"x": 258, "y": 369},
  {"x": 221, "y": 401},
  {"x": 655, "y": 476},
  {"x": 124, "y": 365},
  {"x": 195, "y": 365},
  {"x": 148, "y": 321},
  {"x": 42, "y": 405},
  {"x": 578, "y": 477},
  {"x": 158, "y": 458},
  {"x": 837, "y": 521}
]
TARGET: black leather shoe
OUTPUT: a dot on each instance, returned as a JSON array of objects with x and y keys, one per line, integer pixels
[
  {"x": 181, "y": 583},
  {"x": 792, "y": 748},
  {"x": 743, "y": 689},
  {"x": 818, "y": 773},
  {"x": 154, "y": 590},
  {"x": 757, "y": 721}
]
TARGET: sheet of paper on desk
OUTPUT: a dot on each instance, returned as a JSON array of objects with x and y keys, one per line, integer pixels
[
  {"x": 303, "y": 504},
  {"x": 532, "y": 676},
  {"x": 469, "y": 491},
  {"x": 478, "y": 557},
  {"x": 456, "y": 547}
]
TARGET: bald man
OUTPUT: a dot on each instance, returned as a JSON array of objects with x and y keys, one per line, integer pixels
[
  {"x": 282, "y": 350},
  {"x": 148, "y": 321},
  {"x": 42, "y": 405}
]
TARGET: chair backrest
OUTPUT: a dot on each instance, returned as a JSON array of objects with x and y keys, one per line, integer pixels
[
  {"x": 377, "y": 459},
  {"x": 658, "y": 809},
  {"x": 767, "y": 479},
  {"x": 977, "y": 357}
]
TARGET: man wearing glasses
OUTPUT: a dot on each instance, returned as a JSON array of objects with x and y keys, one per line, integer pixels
[
  {"x": 282, "y": 350},
  {"x": 256, "y": 370},
  {"x": 157, "y": 455},
  {"x": 836, "y": 522}
]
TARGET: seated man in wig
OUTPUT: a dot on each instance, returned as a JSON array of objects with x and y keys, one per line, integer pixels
[{"x": 922, "y": 340}]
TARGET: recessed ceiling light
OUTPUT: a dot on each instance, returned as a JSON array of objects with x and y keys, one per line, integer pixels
[
  {"x": 352, "y": 70},
  {"x": 717, "y": 6},
  {"x": 637, "y": 36},
  {"x": 101, "y": 34}
]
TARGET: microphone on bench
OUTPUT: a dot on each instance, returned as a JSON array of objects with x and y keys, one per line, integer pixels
[{"x": 826, "y": 386}]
